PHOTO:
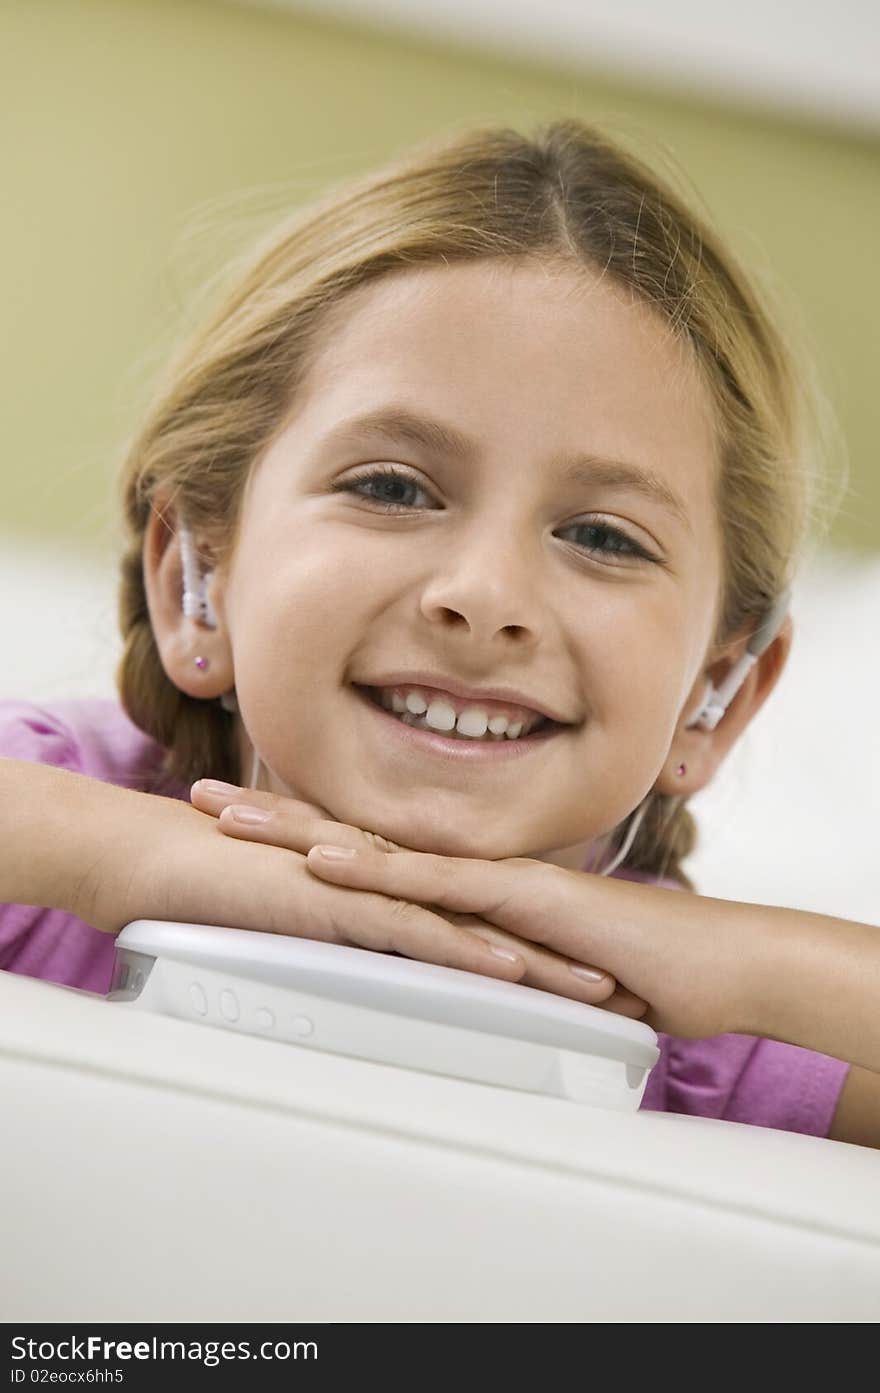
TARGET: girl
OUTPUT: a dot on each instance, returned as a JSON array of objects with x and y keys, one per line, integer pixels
[{"x": 463, "y": 533}]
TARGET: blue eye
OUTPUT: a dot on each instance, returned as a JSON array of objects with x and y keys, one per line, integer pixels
[
  {"x": 609, "y": 541},
  {"x": 392, "y": 490},
  {"x": 391, "y": 487}
]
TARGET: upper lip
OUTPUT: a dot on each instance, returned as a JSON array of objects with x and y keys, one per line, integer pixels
[{"x": 444, "y": 683}]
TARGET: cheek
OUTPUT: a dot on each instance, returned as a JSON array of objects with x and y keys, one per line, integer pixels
[
  {"x": 632, "y": 657},
  {"x": 297, "y": 623},
  {"x": 328, "y": 568}
]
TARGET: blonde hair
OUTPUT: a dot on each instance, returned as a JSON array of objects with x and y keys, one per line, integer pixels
[{"x": 568, "y": 193}]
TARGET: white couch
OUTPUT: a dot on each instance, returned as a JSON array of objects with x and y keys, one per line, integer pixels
[{"x": 157, "y": 1170}]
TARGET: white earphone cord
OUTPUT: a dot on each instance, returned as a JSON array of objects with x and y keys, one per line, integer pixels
[
  {"x": 255, "y": 771},
  {"x": 626, "y": 844}
]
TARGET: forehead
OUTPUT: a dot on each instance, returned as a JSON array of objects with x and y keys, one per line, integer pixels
[{"x": 527, "y": 359}]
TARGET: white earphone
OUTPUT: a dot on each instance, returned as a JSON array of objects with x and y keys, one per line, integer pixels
[
  {"x": 717, "y": 699},
  {"x": 196, "y": 604}
]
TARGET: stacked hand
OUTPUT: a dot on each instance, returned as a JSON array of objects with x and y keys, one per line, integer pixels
[{"x": 682, "y": 957}]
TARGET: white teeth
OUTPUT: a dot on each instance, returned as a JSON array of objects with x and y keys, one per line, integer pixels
[
  {"x": 440, "y": 715},
  {"x": 473, "y": 722}
]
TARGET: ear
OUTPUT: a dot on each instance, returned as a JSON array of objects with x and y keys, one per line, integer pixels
[
  {"x": 703, "y": 751},
  {"x": 180, "y": 640}
]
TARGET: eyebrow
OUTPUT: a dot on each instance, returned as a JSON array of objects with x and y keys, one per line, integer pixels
[{"x": 402, "y": 425}]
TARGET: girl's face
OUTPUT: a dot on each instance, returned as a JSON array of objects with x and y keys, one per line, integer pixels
[{"x": 495, "y": 476}]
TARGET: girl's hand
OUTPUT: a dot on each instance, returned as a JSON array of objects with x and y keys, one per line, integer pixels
[
  {"x": 118, "y": 855},
  {"x": 695, "y": 960},
  {"x": 423, "y": 929}
]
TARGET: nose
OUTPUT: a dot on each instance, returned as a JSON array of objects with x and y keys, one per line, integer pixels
[{"x": 486, "y": 586}]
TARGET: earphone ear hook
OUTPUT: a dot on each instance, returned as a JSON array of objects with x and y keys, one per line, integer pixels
[
  {"x": 716, "y": 700},
  {"x": 196, "y": 604}
]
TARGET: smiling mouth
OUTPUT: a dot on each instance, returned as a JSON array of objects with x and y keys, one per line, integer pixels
[{"x": 440, "y": 719}]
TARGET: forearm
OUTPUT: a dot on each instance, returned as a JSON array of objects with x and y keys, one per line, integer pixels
[
  {"x": 816, "y": 983},
  {"x": 66, "y": 841}
]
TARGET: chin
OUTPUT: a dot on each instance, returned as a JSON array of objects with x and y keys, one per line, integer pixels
[
  {"x": 431, "y": 835},
  {"x": 440, "y": 827}
]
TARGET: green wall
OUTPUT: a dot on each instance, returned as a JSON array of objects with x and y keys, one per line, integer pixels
[{"x": 129, "y": 128}]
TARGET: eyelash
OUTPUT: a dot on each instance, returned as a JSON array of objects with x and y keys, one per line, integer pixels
[{"x": 349, "y": 485}]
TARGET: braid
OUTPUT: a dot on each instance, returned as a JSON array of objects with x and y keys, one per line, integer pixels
[{"x": 666, "y": 836}]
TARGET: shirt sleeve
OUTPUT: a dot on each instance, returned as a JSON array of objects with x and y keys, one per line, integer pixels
[
  {"x": 32, "y": 733},
  {"x": 36, "y": 941},
  {"x": 765, "y": 1083}
]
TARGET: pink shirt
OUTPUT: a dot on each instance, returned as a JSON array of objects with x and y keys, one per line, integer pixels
[{"x": 737, "y": 1077}]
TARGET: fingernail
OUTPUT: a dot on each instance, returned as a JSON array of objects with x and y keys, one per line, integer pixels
[
  {"x": 251, "y": 815},
  {"x": 588, "y": 973},
  {"x": 504, "y": 953},
  {"x": 336, "y": 853},
  {"x": 215, "y": 786}
]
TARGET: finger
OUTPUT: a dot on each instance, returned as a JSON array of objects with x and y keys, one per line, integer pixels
[
  {"x": 278, "y": 896},
  {"x": 284, "y": 825},
  {"x": 547, "y": 912},
  {"x": 298, "y": 826},
  {"x": 535, "y": 900},
  {"x": 212, "y": 796},
  {"x": 392, "y": 926},
  {"x": 625, "y": 1003},
  {"x": 276, "y": 820},
  {"x": 547, "y": 971}
]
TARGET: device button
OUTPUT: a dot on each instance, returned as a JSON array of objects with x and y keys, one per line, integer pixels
[
  {"x": 229, "y": 1005},
  {"x": 264, "y": 1017},
  {"x": 198, "y": 998},
  {"x": 302, "y": 1026}
]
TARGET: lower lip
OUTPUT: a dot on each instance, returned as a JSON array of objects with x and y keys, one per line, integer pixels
[{"x": 470, "y": 751}]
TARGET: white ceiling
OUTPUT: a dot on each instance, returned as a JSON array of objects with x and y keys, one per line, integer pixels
[{"x": 807, "y": 57}]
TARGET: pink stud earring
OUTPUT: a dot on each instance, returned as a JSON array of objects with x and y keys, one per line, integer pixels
[
  {"x": 201, "y": 664},
  {"x": 682, "y": 769}
]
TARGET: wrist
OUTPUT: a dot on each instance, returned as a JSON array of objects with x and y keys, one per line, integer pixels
[
  {"x": 105, "y": 872},
  {"x": 751, "y": 946},
  {"x": 764, "y": 954},
  {"x": 99, "y": 834},
  {"x": 786, "y": 979},
  {"x": 816, "y": 984}
]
